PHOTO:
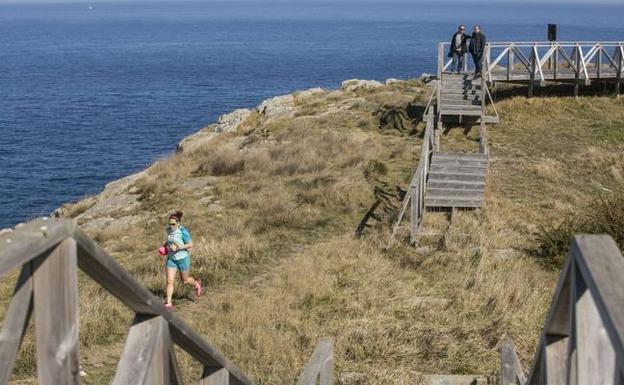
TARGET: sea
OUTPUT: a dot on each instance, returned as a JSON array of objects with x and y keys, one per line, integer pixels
[{"x": 93, "y": 91}]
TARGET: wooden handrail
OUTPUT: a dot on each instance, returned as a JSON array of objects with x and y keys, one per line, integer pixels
[
  {"x": 320, "y": 366},
  {"x": 415, "y": 194},
  {"x": 582, "y": 340},
  {"x": 46, "y": 248}
]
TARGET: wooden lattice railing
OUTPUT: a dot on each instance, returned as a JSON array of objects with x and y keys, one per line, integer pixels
[
  {"x": 582, "y": 340},
  {"x": 49, "y": 252}
]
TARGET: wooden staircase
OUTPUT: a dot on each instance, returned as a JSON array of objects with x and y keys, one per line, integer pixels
[
  {"x": 456, "y": 180},
  {"x": 460, "y": 95}
]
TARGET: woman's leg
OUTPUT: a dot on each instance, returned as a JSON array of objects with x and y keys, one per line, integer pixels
[
  {"x": 171, "y": 273},
  {"x": 186, "y": 278}
]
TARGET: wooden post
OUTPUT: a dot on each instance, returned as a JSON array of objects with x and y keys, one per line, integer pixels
[
  {"x": 145, "y": 358},
  {"x": 599, "y": 62},
  {"x": 555, "y": 63},
  {"x": 56, "y": 316},
  {"x": 511, "y": 370},
  {"x": 440, "y": 61},
  {"x": 320, "y": 366},
  {"x": 620, "y": 55},
  {"x": 596, "y": 360},
  {"x": 15, "y": 322},
  {"x": 577, "y": 61},
  {"x": 510, "y": 63},
  {"x": 414, "y": 213},
  {"x": 215, "y": 376},
  {"x": 532, "y": 76}
]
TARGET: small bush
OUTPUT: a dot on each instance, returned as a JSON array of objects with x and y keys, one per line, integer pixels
[
  {"x": 605, "y": 215},
  {"x": 222, "y": 162}
]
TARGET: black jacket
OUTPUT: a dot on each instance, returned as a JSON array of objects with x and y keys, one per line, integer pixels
[
  {"x": 463, "y": 48},
  {"x": 477, "y": 43}
]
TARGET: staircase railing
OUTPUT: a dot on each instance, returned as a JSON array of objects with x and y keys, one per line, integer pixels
[
  {"x": 582, "y": 340},
  {"x": 417, "y": 187},
  {"x": 49, "y": 252}
]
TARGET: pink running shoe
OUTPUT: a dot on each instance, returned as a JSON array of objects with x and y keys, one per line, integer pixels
[
  {"x": 168, "y": 306},
  {"x": 198, "y": 288}
]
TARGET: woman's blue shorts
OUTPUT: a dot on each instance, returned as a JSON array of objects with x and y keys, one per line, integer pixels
[{"x": 182, "y": 265}]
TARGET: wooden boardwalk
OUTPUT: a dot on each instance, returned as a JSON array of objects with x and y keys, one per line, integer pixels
[
  {"x": 537, "y": 63},
  {"x": 445, "y": 180}
]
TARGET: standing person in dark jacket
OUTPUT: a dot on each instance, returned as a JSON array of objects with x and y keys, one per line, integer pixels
[
  {"x": 458, "y": 48},
  {"x": 476, "y": 47}
]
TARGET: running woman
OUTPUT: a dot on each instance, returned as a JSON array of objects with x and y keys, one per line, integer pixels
[{"x": 178, "y": 245}]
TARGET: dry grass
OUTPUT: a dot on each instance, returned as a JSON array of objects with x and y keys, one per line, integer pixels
[{"x": 272, "y": 210}]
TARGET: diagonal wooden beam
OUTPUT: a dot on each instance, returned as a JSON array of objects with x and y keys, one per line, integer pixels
[
  {"x": 523, "y": 58},
  {"x": 31, "y": 240},
  {"x": 499, "y": 57},
  {"x": 16, "y": 322},
  {"x": 56, "y": 316},
  {"x": 567, "y": 58}
]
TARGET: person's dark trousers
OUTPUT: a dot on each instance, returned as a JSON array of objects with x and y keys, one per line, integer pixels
[
  {"x": 477, "y": 57},
  {"x": 458, "y": 62}
]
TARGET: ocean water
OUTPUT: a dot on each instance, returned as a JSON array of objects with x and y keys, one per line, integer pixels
[{"x": 93, "y": 91}]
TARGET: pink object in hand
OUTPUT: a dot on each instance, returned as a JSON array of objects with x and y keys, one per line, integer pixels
[{"x": 162, "y": 250}]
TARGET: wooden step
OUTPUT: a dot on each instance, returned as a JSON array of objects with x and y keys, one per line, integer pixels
[
  {"x": 460, "y": 102},
  {"x": 448, "y": 163},
  {"x": 456, "y": 112},
  {"x": 479, "y": 168},
  {"x": 459, "y": 92},
  {"x": 455, "y": 184},
  {"x": 437, "y": 192},
  {"x": 460, "y": 107},
  {"x": 439, "y": 379},
  {"x": 453, "y": 202},
  {"x": 459, "y": 155},
  {"x": 456, "y": 176}
]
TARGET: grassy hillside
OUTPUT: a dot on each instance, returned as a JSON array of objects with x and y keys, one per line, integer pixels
[{"x": 272, "y": 208}]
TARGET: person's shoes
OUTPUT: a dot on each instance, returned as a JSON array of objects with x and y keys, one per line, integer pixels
[
  {"x": 198, "y": 288},
  {"x": 168, "y": 306}
]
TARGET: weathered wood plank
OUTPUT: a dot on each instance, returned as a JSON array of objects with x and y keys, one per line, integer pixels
[
  {"x": 175, "y": 375},
  {"x": 537, "y": 371},
  {"x": 556, "y": 360},
  {"x": 56, "y": 316},
  {"x": 319, "y": 365},
  {"x": 453, "y": 203},
  {"x": 511, "y": 369},
  {"x": 30, "y": 240},
  {"x": 215, "y": 376},
  {"x": 602, "y": 266},
  {"x": 145, "y": 358},
  {"x": 596, "y": 361},
  {"x": 16, "y": 322},
  {"x": 457, "y": 176}
]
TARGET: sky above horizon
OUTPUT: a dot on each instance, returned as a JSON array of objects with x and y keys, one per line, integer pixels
[{"x": 576, "y": 2}]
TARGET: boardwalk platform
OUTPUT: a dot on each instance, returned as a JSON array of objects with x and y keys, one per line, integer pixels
[{"x": 537, "y": 63}]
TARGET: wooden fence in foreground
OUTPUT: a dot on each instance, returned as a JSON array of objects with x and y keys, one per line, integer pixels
[
  {"x": 49, "y": 252},
  {"x": 582, "y": 341}
]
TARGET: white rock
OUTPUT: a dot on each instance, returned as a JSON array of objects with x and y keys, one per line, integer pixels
[
  {"x": 392, "y": 81},
  {"x": 230, "y": 122},
  {"x": 308, "y": 93},
  {"x": 278, "y": 107},
  {"x": 357, "y": 84}
]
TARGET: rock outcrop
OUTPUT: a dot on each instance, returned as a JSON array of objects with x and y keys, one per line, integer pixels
[{"x": 352, "y": 85}]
